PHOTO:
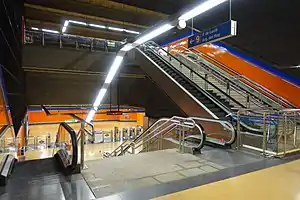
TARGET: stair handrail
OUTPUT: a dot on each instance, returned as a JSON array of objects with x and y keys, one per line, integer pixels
[
  {"x": 240, "y": 76},
  {"x": 175, "y": 120},
  {"x": 48, "y": 113}
]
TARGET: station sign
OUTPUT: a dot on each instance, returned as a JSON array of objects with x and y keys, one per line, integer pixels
[{"x": 217, "y": 33}]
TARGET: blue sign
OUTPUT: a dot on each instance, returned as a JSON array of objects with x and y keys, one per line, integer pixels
[{"x": 222, "y": 31}]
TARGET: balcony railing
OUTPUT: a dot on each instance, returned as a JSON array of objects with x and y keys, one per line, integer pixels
[{"x": 70, "y": 41}]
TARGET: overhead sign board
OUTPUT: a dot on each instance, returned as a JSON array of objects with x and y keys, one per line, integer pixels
[{"x": 220, "y": 32}]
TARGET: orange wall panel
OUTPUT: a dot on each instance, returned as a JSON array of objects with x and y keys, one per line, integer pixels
[{"x": 41, "y": 117}]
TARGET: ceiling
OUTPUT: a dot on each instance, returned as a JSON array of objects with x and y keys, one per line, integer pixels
[{"x": 268, "y": 30}]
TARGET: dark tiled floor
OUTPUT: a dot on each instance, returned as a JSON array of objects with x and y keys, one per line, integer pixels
[{"x": 41, "y": 179}]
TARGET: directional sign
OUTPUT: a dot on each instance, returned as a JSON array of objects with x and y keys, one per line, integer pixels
[{"x": 220, "y": 32}]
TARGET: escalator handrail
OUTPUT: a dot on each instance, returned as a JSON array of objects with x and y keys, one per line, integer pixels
[
  {"x": 73, "y": 136},
  {"x": 48, "y": 113},
  {"x": 3, "y": 130},
  {"x": 208, "y": 94},
  {"x": 225, "y": 108},
  {"x": 233, "y": 84},
  {"x": 238, "y": 75}
]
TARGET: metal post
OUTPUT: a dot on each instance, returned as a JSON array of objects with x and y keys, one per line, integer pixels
[
  {"x": 285, "y": 132},
  {"x": 82, "y": 135},
  {"x": 43, "y": 39},
  {"x": 122, "y": 150},
  {"x": 264, "y": 147},
  {"x": 133, "y": 148},
  {"x": 76, "y": 43},
  {"x": 248, "y": 101},
  {"x": 161, "y": 141},
  {"x": 92, "y": 45},
  {"x": 60, "y": 42},
  {"x": 238, "y": 130},
  {"x": 179, "y": 138},
  {"x": 228, "y": 91},
  {"x": 182, "y": 139},
  {"x": 205, "y": 83}
]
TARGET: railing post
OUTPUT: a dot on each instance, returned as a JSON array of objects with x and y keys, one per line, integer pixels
[
  {"x": 264, "y": 147},
  {"x": 228, "y": 90},
  {"x": 205, "y": 82},
  {"x": 248, "y": 101},
  {"x": 133, "y": 148},
  {"x": 122, "y": 150},
  {"x": 60, "y": 41},
  {"x": 92, "y": 45},
  {"x": 183, "y": 140},
  {"x": 238, "y": 130},
  {"x": 285, "y": 131},
  {"x": 76, "y": 43},
  {"x": 179, "y": 138},
  {"x": 82, "y": 135},
  {"x": 191, "y": 74},
  {"x": 161, "y": 141},
  {"x": 43, "y": 39}
]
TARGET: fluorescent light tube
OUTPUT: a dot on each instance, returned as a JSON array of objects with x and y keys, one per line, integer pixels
[
  {"x": 116, "y": 29},
  {"x": 130, "y": 31},
  {"x": 90, "y": 116},
  {"x": 113, "y": 69},
  {"x": 200, "y": 9},
  {"x": 127, "y": 47},
  {"x": 66, "y": 23},
  {"x": 49, "y": 31},
  {"x": 154, "y": 33},
  {"x": 97, "y": 26},
  {"x": 99, "y": 98},
  {"x": 77, "y": 22},
  {"x": 33, "y": 28},
  {"x": 64, "y": 29}
]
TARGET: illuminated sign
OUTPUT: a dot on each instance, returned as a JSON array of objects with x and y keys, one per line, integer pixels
[{"x": 220, "y": 32}]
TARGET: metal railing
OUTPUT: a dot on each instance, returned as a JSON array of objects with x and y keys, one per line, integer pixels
[
  {"x": 281, "y": 131},
  {"x": 232, "y": 79},
  {"x": 70, "y": 41},
  {"x": 90, "y": 132},
  {"x": 202, "y": 83},
  {"x": 226, "y": 135},
  {"x": 156, "y": 133}
]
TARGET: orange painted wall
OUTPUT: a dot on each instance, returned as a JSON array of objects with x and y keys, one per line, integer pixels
[
  {"x": 274, "y": 83},
  {"x": 40, "y": 116},
  {"x": 3, "y": 118}
]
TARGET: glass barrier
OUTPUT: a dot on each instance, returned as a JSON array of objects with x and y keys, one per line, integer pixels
[
  {"x": 281, "y": 133},
  {"x": 42, "y": 146}
]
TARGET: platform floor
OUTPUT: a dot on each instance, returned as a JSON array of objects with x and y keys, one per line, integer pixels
[
  {"x": 132, "y": 172},
  {"x": 276, "y": 183}
]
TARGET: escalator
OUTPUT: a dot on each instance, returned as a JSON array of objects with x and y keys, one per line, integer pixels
[
  {"x": 251, "y": 94},
  {"x": 183, "y": 85},
  {"x": 25, "y": 179}
]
